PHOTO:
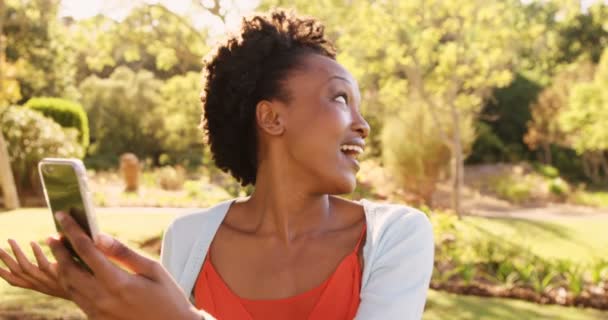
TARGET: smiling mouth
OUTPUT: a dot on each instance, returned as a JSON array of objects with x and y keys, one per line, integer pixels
[
  {"x": 351, "y": 151},
  {"x": 351, "y": 148}
]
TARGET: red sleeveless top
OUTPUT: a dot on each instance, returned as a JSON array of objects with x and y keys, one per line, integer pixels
[{"x": 336, "y": 298}]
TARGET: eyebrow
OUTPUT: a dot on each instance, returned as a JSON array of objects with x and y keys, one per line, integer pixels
[{"x": 339, "y": 77}]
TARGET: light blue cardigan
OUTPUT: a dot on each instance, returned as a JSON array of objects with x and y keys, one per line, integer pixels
[{"x": 398, "y": 256}]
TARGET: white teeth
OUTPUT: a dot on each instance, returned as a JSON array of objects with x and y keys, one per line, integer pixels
[{"x": 354, "y": 148}]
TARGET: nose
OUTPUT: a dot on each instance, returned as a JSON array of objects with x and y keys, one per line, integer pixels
[{"x": 360, "y": 125}]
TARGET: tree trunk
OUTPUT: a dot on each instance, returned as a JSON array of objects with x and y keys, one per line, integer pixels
[
  {"x": 456, "y": 162},
  {"x": 7, "y": 181},
  {"x": 11, "y": 200},
  {"x": 547, "y": 158}
]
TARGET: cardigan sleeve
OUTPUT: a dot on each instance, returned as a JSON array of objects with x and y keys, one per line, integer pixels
[
  {"x": 167, "y": 251},
  {"x": 400, "y": 269}
]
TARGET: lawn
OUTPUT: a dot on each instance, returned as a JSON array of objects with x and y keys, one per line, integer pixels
[{"x": 577, "y": 239}]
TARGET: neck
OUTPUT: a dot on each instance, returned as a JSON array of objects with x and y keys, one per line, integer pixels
[{"x": 282, "y": 207}]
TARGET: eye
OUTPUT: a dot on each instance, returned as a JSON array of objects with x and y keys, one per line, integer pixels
[{"x": 342, "y": 98}]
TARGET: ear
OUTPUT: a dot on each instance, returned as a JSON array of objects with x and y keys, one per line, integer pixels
[{"x": 269, "y": 118}]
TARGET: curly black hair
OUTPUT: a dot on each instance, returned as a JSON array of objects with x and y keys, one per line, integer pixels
[{"x": 246, "y": 69}]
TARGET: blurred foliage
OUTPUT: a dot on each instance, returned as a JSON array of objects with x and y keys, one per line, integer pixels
[
  {"x": 30, "y": 137},
  {"x": 182, "y": 138},
  {"x": 584, "y": 120},
  {"x": 151, "y": 37},
  {"x": 525, "y": 76},
  {"x": 66, "y": 113},
  {"x": 584, "y": 34},
  {"x": 417, "y": 166},
  {"x": 170, "y": 178},
  {"x": 546, "y": 134},
  {"x": 39, "y": 59},
  {"x": 125, "y": 113},
  {"x": 503, "y": 123},
  {"x": 512, "y": 253}
]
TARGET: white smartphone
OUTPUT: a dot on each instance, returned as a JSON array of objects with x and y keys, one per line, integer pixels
[{"x": 64, "y": 181}]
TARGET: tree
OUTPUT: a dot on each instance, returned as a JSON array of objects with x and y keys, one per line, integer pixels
[
  {"x": 125, "y": 115},
  {"x": 35, "y": 49},
  {"x": 584, "y": 121},
  {"x": 7, "y": 179},
  {"x": 450, "y": 55},
  {"x": 150, "y": 38},
  {"x": 544, "y": 129},
  {"x": 182, "y": 140},
  {"x": 584, "y": 33}
]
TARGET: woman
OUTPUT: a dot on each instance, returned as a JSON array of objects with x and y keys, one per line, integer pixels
[{"x": 279, "y": 113}]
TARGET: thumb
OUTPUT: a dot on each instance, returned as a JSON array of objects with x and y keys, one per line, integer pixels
[{"x": 125, "y": 256}]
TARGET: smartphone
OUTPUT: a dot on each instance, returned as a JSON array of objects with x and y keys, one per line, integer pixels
[{"x": 64, "y": 182}]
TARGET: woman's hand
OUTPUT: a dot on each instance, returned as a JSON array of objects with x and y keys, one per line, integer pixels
[
  {"x": 110, "y": 292},
  {"x": 23, "y": 273}
]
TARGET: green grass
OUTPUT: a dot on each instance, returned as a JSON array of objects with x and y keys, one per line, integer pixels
[
  {"x": 571, "y": 238},
  {"x": 36, "y": 224},
  {"x": 592, "y": 198},
  {"x": 441, "y": 305},
  {"x": 582, "y": 240}
]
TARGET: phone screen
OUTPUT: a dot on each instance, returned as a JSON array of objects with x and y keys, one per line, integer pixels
[{"x": 63, "y": 194}]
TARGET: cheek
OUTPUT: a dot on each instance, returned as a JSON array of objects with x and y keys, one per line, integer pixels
[
  {"x": 324, "y": 130},
  {"x": 315, "y": 147}
]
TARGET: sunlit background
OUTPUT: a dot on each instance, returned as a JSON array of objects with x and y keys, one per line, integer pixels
[{"x": 488, "y": 115}]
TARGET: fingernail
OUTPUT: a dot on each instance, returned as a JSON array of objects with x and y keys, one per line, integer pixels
[
  {"x": 102, "y": 240},
  {"x": 60, "y": 216}
]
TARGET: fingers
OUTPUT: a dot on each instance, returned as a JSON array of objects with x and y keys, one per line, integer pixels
[
  {"x": 13, "y": 280},
  {"x": 74, "y": 279},
  {"x": 86, "y": 249},
  {"x": 126, "y": 257},
  {"x": 43, "y": 263},
  {"x": 12, "y": 265},
  {"x": 29, "y": 271}
]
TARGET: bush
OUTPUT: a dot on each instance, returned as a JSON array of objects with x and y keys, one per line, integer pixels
[
  {"x": 30, "y": 137},
  {"x": 125, "y": 113},
  {"x": 512, "y": 189},
  {"x": 170, "y": 178},
  {"x": 181, "y": 138},
  {"x": 546, "y": 170},
  {"x": 66, "y": 113},
  {"x": 559, "y": 187}
]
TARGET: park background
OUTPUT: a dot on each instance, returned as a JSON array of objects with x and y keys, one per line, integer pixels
[{"x": 490, "y": 116}]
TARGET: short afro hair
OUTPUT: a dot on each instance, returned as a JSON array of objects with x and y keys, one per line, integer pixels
[{"x": 246, "y": 69}]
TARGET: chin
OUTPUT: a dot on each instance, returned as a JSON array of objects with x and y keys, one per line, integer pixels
[{"x": 343, "y": 185}]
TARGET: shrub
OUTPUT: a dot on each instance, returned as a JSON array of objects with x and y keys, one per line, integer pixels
[
  {"x": 170, "y": 178},
  {"x": 413, "y": 151},
  {"x": 66, "y": 113},
  {"x": 512, "y": 189},
  {"x": 125, "y": 113},
  {"x": 546, "y": 170},
  {"x": 181, "y": 139},
  {"x": 559, "y": 187},
  {"x": 30, "y": 137},
  {"x": 599, "y": 272}
]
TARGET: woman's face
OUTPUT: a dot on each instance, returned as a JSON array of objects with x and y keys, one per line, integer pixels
[{"x": 324, "y": 130}]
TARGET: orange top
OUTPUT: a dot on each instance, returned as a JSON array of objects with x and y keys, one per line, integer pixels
[{"x": 336, "y": 298}]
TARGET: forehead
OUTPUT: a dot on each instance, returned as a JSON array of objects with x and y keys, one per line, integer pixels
[{"x": 319, "y": 68}]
